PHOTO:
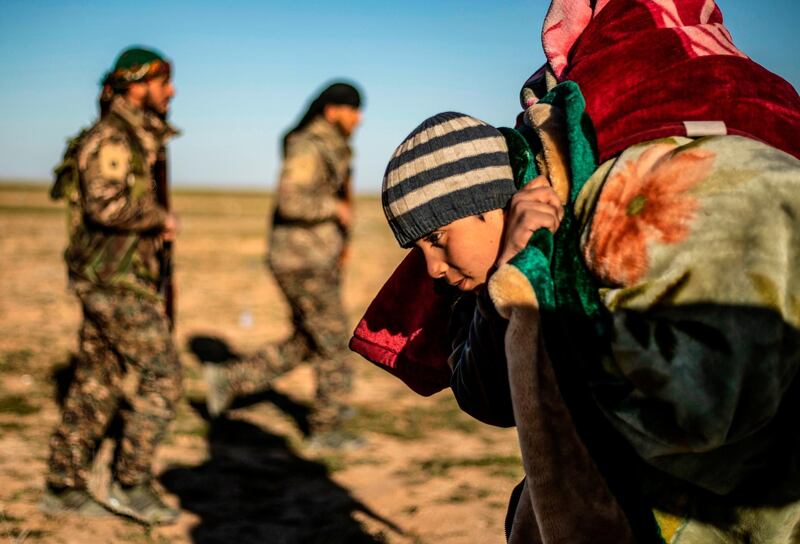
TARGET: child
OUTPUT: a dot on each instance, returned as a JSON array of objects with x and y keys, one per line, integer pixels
[
  {"x": 449, "y": 191},
  {"x": 676, "y": 387},
  {"x": 456, "y": 212}
]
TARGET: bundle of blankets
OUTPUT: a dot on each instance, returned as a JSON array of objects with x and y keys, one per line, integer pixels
[{"x": 653, "y": 342}]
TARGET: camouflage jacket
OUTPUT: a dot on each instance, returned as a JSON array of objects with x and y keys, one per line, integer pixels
[
  {"x": 114, "y": 216},
  {"x": 315, "y": 172}
]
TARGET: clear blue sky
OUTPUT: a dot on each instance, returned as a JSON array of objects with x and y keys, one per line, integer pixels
[{"x": 245, "y": 69}]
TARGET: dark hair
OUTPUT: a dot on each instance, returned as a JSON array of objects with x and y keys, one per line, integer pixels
[{"x": 339, "y": 93}]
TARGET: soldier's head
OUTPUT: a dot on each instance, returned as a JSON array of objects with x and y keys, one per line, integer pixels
[
  {"x": 339, "y": 104},
  {"x": 143, "y": 77}
]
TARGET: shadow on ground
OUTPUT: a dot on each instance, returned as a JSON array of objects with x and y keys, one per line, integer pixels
[
  {"x": 255, "y": 489},
  {"x": 212, "y": 349}
]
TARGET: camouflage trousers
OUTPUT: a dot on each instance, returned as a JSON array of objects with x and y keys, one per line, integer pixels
[
  {"x": 123, "y": 335},
  {"x": 320, "y": 338}
]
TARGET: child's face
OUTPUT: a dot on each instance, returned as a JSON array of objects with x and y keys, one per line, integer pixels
[{"x": 464, "y": 252}]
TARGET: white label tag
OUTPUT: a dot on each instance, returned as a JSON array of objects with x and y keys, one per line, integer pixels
[{"x": 695, "y": 129}]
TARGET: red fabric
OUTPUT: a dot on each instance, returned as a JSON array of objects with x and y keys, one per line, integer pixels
[
  {"x": 404, "y": 330},
  {"x": 645, "y": 68}
]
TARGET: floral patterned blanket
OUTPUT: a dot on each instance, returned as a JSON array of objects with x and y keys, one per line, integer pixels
[{"x": 696, "y": 244}]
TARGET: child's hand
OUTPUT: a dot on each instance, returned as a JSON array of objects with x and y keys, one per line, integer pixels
[{"x": 533, "y": 207}]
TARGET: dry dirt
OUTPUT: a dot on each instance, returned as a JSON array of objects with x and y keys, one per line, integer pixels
[{"x": 427, "y": 474}]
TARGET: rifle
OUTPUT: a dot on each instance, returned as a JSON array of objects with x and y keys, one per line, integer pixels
[{"x": 167, "y": 287}]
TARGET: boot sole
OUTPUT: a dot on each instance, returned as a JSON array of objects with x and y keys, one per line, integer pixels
[
  {"x": 50, "y": 509},
  {"x": 118, "y": 508}
]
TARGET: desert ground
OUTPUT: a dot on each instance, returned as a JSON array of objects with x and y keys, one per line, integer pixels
[{"x": 427, "y": 473}]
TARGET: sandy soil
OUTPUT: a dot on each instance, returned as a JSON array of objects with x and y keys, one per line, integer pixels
[{"x": 427, "y": 474}]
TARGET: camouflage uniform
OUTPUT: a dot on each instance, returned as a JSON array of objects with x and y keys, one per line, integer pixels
[
  {"x": 112, "y": 258},
  {"x": 305, "y": 256}
]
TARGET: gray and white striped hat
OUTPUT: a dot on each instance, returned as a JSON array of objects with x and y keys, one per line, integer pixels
[{"x": 449, "y": 167}]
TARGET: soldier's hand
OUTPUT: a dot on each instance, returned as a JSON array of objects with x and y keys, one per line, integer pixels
[
  {"x": 344, "y": 214},
  {"x": 172, "y": 227},
  {"x": 533, "y": 207}
]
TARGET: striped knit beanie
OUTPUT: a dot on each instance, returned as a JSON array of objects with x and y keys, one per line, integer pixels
[{"x": 451, "y": 166}]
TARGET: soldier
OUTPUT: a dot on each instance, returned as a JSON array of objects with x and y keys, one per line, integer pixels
[
  {"x": 118, "y": 228},
  {"x": 312, "y": 217}
]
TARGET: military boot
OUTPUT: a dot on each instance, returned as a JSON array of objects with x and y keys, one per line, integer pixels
[
  {"x": 218, "y": 394},
  {"x": 71, "y": 501},
  {"x": 142, "y": 503}
]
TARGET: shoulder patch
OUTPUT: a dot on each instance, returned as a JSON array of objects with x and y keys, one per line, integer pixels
[
  {"x": 114, "y": 160},
  {"x": 100, "y": 135}
]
